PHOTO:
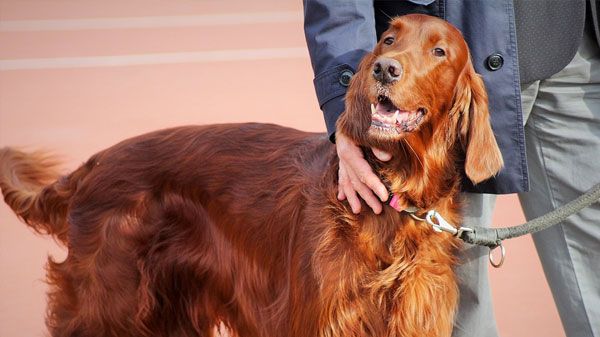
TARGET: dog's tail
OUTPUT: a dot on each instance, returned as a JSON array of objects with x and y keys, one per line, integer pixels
[{"x": 30, "y": 187}]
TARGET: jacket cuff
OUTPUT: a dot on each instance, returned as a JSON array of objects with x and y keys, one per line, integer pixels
[
  {"x": 331, "y": 112},
  {"x": 332, "y": 83},
  {"x": 331, "y": 87}
]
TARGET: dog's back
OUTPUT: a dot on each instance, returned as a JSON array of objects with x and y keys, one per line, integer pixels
[{"x": 155, "y": 226}]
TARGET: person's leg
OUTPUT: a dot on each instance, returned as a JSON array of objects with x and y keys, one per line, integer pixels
[
  {"x": 475, "y": 315},
  {"x": 563, "y": 151}
]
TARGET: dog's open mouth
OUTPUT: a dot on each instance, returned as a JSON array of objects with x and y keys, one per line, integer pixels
[{"x": 388, "y": 119}]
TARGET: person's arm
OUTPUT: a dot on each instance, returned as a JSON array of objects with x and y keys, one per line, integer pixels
[{"x": 338, "y": 34}]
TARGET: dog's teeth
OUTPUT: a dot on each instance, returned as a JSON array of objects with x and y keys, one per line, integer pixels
[
  {"x": 373, "y": 110},
  {"x": 399, "y": 119}
]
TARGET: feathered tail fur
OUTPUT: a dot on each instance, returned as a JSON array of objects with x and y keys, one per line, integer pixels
[{"x": 30, "y": 187}]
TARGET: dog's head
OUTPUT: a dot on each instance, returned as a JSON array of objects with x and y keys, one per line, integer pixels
[{"x": 419, "y": 86}]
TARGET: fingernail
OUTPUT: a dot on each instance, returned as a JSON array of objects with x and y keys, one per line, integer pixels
[
  {"x": 383, "y": 195},
  {"x": 382, "y": 155}
]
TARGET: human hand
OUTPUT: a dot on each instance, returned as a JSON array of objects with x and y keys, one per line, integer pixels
[{"x": 356, "y": 176}]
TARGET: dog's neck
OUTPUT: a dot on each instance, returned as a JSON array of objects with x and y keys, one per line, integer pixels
[{"x": 419, "y": 174}]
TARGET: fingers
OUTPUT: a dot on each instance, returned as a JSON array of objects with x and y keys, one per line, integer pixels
[
  {"x": 381, "y": 155},
  {"x": 361, "y": 174},
  {"x": 343, "y": 183},
  {"x": 356, "y": 178},
  {"x": 346, "y": 190},
  {"x": 365, "y": 193}
]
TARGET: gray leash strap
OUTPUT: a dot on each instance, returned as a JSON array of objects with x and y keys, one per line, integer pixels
[{"x": 492, "y": 237}]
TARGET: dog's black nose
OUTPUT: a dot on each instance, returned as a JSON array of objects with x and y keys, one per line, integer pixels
[{"x": 387, "y": 70}]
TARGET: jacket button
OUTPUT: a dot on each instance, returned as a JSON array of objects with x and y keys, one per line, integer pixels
[
  {"x": 345, "y": 77},
  {"x": 495, "y": 62}
]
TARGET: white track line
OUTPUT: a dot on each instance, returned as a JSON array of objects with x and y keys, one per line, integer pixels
[
  {"x": 162, "y": 58},
  {"x": 150, "y": 21}
]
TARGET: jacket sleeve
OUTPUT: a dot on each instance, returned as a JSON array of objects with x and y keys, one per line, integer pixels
[{"x": 338, "y": 34}]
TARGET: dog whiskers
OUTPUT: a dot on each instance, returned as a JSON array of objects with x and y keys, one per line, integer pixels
[{"x": 413, "y": 150}]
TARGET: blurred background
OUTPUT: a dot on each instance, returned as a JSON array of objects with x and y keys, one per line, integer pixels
[{"x": 77, "y": 76}]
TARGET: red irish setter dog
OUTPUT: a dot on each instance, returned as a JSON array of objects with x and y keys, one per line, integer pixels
[{"x": 177, "y": 231}]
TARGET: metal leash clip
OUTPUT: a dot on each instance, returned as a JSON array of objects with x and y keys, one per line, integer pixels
[{"x": 439, "y": 224}]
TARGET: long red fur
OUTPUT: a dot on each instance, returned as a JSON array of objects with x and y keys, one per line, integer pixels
[{"x": 177, "y": 231}]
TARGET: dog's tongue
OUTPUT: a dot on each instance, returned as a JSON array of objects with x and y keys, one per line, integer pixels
[
  {"x": 388, "y": 110},
  {"x": 385, "y": 109}
]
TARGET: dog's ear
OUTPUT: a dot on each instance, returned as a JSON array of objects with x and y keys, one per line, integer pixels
[
  {"x": 483, "y": 159},
  {"x": 356, "y": 118}
]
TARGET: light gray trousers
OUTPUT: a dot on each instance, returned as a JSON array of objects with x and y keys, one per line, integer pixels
[{"x": 562, "y": 132}]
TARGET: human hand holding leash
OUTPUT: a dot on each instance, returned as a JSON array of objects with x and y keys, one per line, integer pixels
[{"x": 356, "y": 176}]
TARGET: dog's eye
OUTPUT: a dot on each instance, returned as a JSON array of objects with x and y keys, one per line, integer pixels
[
  {"x": 388, "y": 40},
  {"x": 439, "y": 52}
]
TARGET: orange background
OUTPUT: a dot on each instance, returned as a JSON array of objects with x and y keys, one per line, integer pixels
[{"x": 77, "y": 76}]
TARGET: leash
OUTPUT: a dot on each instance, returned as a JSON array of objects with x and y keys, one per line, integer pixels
[{"x": 493, "y": 237}]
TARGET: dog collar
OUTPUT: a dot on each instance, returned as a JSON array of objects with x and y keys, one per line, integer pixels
[{"x": 394, "y": 202}]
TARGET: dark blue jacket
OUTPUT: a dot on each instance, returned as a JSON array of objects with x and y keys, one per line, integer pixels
[{"x": 340, "y": 32}]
